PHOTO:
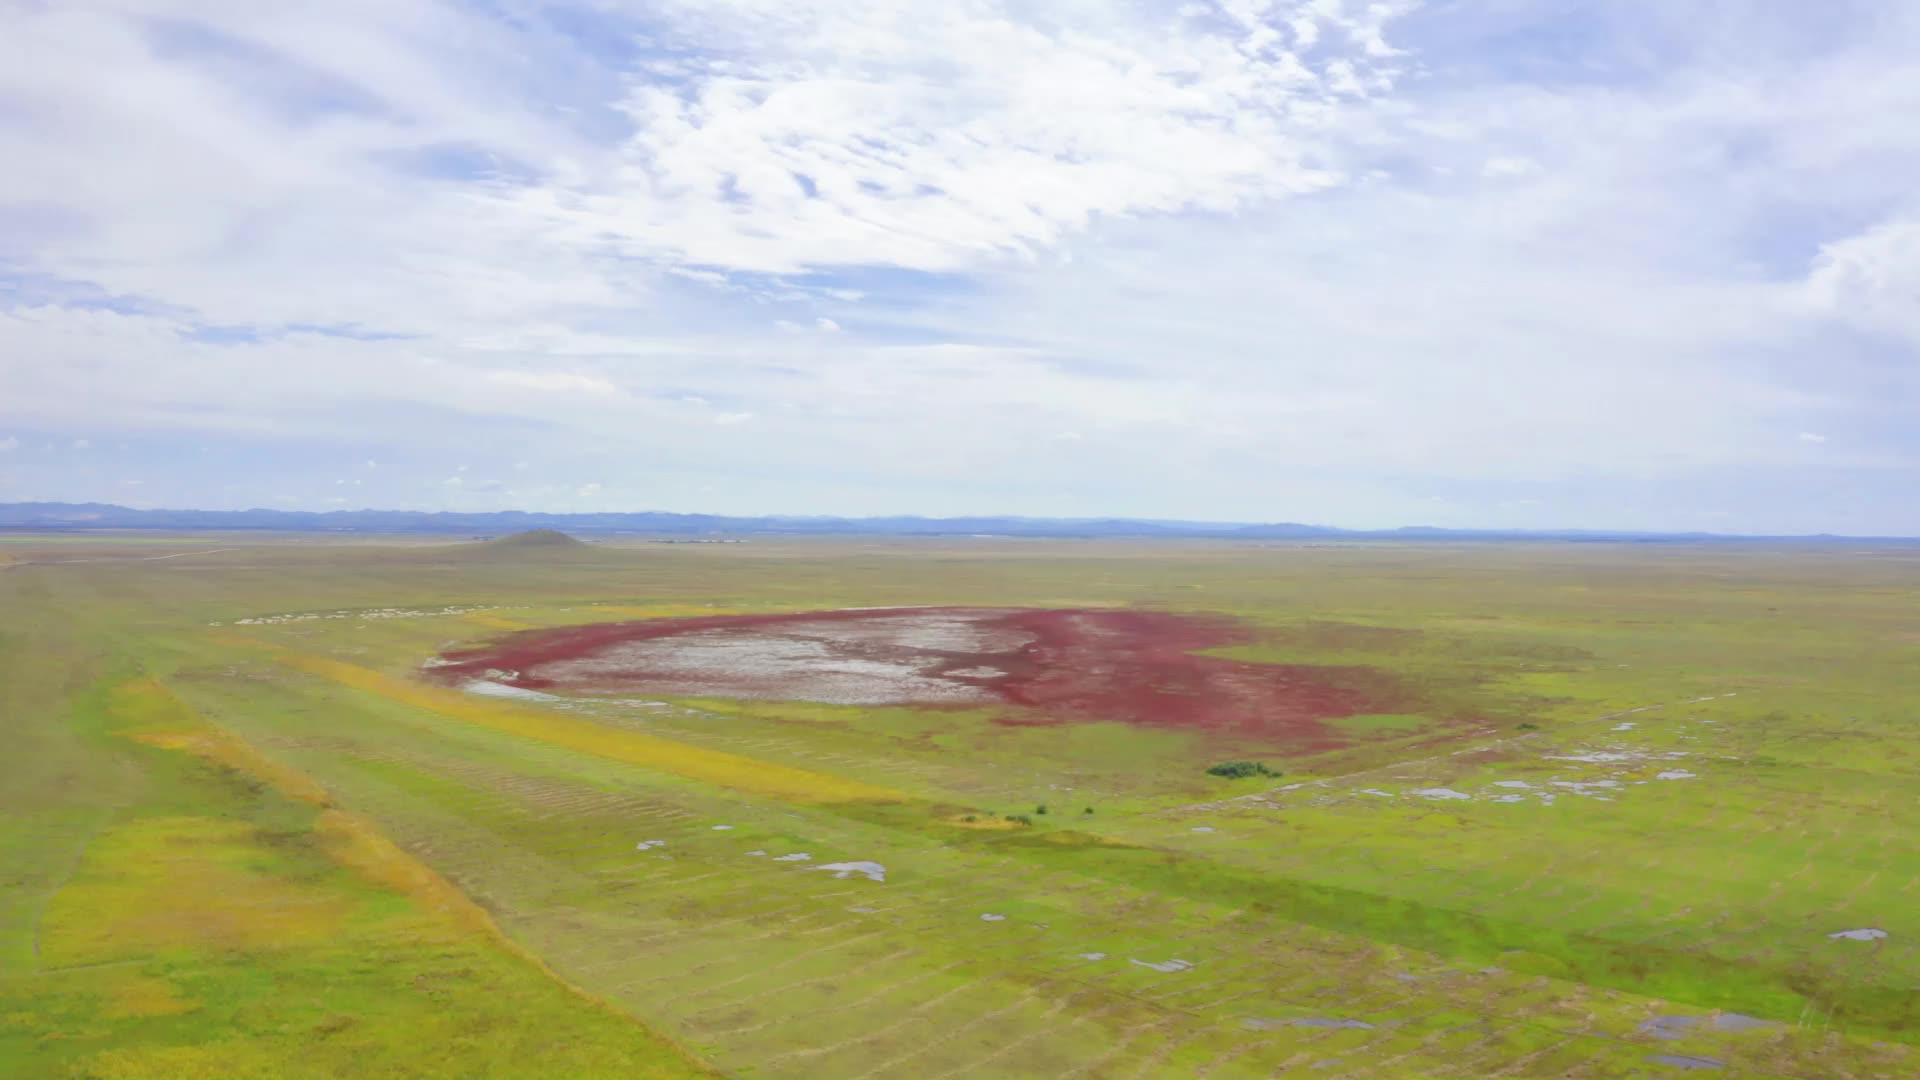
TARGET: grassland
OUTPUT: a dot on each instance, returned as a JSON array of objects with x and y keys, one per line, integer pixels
[{"x": 1628, "y": 795}]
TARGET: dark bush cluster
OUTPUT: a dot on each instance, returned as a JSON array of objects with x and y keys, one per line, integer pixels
[{"x": 1240, "y": 770}]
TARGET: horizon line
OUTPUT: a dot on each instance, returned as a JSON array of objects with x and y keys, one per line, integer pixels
[{"x": 1194, "y": 528}]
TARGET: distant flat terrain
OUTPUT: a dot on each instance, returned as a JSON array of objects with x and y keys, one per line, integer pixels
[{"x": 297, "y": 806}]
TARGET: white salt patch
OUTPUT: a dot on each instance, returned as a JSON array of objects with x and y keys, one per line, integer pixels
[
  {"x": 1593, "y": 756},
  {"x": 756, "y": 853},
  {"x": 862, "y": 910},
  {"x": 843, "y": 870},
  {"x": 1093, "y": 956},
  {"x": 1376, "y": 791},
  {"x": 1675, "y": 774},
  {"x": 1261, "y": 1024},
  {"x": 719, "y": 828},
  {"x": 1684, "y": 1061},
  {"x": 1509, "y": 798},
  {"x": 488, "y": 688},
  {"x": 1587, "y": 787},
  {"x": 798, "y": 856},
  {"x": 1203, "y": 828},
  {"x": 1859, "y": 935},
  {"x": 1628, "y": 726},
  {"x": 645, "y": 844},
  {"x": 1440, "y": 793},
  {"x": 885, "y": 659},
  {"x": 1168, "y": 966},
  {"x": 993, "y": 918},
  {"x": 1512, "y": 783}
]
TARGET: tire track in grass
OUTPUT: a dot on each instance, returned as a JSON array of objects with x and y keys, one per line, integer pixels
[
  {"x": 1044, "y": 1019},
  {"x": 913, "y": 1016},
  {"x": 709, "y": 965},
  {"x": 787, "y": 988},
  {"x": 1229, "y": 1056},
  {"x": 1026, "y": 998},
  {"x": 760, "y": 972},
  {"x": 1152, "y": 1063},
  {"x": 836, "y": 1010},
  {"x": 1130, "y": 1036}
]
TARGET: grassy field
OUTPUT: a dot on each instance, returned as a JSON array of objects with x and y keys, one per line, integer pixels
[{"x": 1627, "y": 797}]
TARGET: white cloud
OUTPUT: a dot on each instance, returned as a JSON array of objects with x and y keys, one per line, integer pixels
[
  {"x": 937, "y": 137},
  {"x": 1508, "y": 166},
  {"x": 554, "y": 381},
  {"x": 1811, "y": 437},
  {"x": 9, "y": 443},
  {"x": 1872, "y": 279}
]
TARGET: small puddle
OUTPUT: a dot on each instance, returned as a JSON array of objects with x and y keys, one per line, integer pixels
[
  {"x": 1167, "y": 966},
  {"x": 1263, "y": 1024},
  {"x": 1685, "y": 1061},
  {"x": 872, "y": 871}
]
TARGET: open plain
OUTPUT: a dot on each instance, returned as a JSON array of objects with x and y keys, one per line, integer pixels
[{"x": 292, "y": 806}]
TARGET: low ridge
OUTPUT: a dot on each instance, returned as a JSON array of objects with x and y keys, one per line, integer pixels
[{"x": 534, "y": 538}]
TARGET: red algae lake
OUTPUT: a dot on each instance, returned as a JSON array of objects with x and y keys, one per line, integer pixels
[{"x": 1051, "y": 666}]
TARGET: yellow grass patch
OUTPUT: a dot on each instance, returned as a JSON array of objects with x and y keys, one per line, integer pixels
[
  {"x": 357, "y": 844},
  {"x": 656, "y": 611},
  {"x": 693, "y": 762},
  {"x": 179, "y": 882},
  {"x": 231, "y": 1059},
  {"x": 496, "y": 622},
  {"x": 133, "y": 995},
  {"x": 151, "y": 714}
]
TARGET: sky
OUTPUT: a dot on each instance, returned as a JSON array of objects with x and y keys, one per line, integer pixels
[{"x": 1625, "y": 264}]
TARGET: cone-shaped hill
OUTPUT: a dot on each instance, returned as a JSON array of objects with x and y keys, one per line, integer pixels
[
  {"x": 538, "y": 544},
  {"x": 535, "y": 538}
]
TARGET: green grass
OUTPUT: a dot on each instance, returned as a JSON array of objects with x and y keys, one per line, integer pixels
[
  {"x": 1381, "y": 722},
  {"x": 1408, "y": 879},
  {"x": 207, "y": 924}
]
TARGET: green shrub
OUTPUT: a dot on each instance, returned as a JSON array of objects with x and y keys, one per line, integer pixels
[{"x": 1240, "y": 770}]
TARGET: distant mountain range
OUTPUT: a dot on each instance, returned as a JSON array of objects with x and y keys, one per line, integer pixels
[{"x": 84, "y": 516}]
